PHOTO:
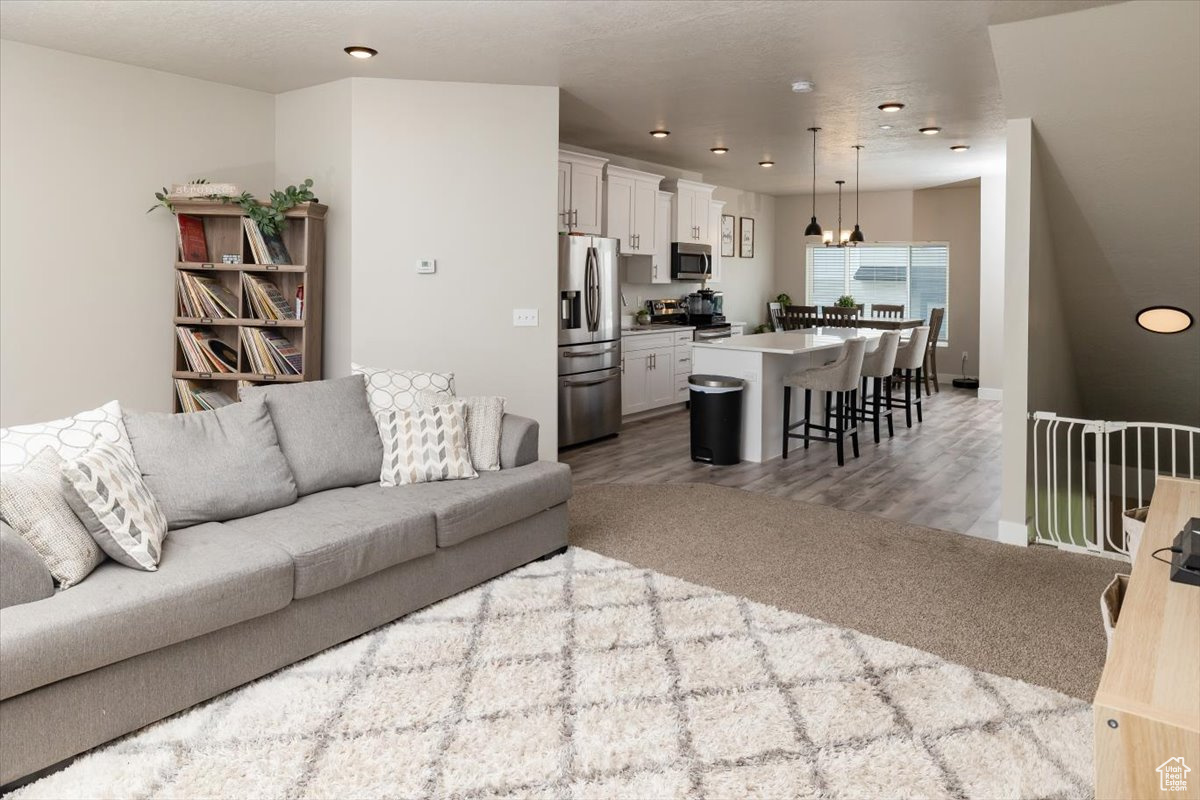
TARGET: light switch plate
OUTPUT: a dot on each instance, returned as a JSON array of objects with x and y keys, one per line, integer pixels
[
  {"x": 426, "y": 266},
  {"x": 525, "y": 317}
]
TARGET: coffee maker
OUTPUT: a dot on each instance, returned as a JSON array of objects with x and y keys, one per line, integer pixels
[{"x": 706, "y": 306}]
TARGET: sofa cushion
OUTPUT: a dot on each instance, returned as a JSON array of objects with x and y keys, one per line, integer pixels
[
  {"x": 326, "y": 431},
  {"x": 210, "y": 466},
  {"x": 469, "y": 508},
  {"x": 338, "y": 536},
  {"x": 209, "y": 577}
]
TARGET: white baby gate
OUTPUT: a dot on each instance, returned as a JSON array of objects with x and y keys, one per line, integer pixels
[{"x": 1087, "y": 473}]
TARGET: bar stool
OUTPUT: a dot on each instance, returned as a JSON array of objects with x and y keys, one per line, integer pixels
[
  {"x": 878, "y": 365},
  {"x": 909, "y": 357},
  {"x": 839, "y": 378}
]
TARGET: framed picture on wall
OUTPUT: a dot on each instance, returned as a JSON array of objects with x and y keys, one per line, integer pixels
[
  {"x": 728, "y": 236},
  {"x": 747, "y": 237}
]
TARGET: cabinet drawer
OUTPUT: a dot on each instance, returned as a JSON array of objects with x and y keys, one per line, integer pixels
[
  {"x": 646, "y": 341},
  {"x": 684, "y": 337},
  {"x": 681, "y": 389}
]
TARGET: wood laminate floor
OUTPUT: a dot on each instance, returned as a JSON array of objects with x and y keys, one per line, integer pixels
[{"x": 942, "y": 473}]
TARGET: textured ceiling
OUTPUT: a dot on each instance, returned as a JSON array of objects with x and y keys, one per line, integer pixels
[
  {"x": 712, "y": 72},
  {"x": 1121, "y": 191}
]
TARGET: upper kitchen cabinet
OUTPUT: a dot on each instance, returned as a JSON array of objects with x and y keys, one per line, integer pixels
[
  {"x": 580, "y": 193},
  {"x": 656, "y": 268},
  {"x": 715, "y": 209},
  {"x": 630, "y": 209},
  {"x": 690, "y": 220}
]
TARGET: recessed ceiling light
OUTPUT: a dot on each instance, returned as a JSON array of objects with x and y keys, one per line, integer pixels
[
  {"x": 885, "y": 127},
  {"x": 358, "y": 51},
  {"x": 1164, "y": 319},
  {"x": 719, "y": 150},
  {"x": 960, "y": 148},
  {"x": 803, "y": 87},
  {"x": 891, "y": 108},
  {"x": 660, "y": 133},
  {"x": 932, "y": 131},
  {"x": 766, "y": 164}
]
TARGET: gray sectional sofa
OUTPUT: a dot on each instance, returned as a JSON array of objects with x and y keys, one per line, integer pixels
[{"x": 234, "y": 600}]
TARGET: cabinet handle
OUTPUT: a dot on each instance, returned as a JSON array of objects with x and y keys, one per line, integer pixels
[
  {"x": 622, "y": 365},
  {"x": 575, "y": 217},
  {"x": 655, "y": 273}
]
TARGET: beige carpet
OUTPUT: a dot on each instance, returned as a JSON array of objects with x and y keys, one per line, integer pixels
[
  {"x": 1028, "y": 613},
  {"x": 585, "y": 678}
]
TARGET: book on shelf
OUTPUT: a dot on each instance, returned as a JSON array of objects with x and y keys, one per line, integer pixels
[
  {"x": 194, "y": 397},
  {"x": 271, "y": 353},
  {"x": 267, "y": 248},
  {"x": 192, "y": 244},
  {"x": 266, "y": 301},
  {"x": 204, "y": 351},
  {"x": 202, "y": 296}
]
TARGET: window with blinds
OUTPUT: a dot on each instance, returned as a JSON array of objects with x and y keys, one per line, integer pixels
[{"x": 916, "y": 276}]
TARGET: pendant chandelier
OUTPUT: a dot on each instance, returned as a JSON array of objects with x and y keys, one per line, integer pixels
[
  {"x": 836, "y": 239},
  {"x": 813, "y": 228},
  {"x": 856, "y": 235}
]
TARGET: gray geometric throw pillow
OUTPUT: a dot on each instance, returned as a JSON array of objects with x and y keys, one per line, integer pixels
[
  {"x": 106, "y": 491},
  {"x": 422, "y": 445}
]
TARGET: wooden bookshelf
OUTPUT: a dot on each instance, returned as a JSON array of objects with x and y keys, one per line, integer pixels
[{"x": 304, "y": 237}]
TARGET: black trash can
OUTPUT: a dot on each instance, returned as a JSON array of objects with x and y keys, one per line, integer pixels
[{"x": 716, "y": 418}]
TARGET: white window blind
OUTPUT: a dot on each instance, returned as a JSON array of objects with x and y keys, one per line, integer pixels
[{"x": 916, "y": 276}]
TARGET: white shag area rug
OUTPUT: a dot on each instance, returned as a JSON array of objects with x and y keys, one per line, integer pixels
[{"x": 583, "y": 677}]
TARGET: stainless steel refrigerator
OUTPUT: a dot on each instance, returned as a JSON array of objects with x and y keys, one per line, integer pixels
[{"x": 589, "y": 339}]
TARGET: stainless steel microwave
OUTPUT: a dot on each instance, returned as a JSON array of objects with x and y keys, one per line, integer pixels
[{"x": 691, "y": 262}]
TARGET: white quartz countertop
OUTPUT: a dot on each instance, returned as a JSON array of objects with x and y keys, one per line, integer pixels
[
  {"x": 641, "y": 330},
  {"x": 792, "y": 343}
]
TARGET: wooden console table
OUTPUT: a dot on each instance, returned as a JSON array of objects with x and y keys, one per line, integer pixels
[{"x": 1147, "y": 708}]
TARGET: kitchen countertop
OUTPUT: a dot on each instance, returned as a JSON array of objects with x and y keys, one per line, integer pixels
[
  {"x": 791, "y": 343},
  {"x": 660, "y": 328}
]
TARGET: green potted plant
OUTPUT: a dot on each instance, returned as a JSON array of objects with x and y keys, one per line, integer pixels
[
  {"x": 846, "y": 301},
  {"x": 642, "y": 317},
  {"x": 783, "y": 298}
]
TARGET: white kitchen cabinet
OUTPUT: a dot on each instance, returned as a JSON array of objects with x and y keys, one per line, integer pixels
[
  {"x": 656, "y": 268},
  {"x": 630, "y": 209},
  {"x": 647, "y": 380},
  {"x": 690, "y": 220},
  {"x": 715, "y": 209},
  {"x": 580, "y": 193}
]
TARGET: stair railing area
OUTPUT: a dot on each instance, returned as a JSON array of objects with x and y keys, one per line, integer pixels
[{"x": 1087, "y": 473}]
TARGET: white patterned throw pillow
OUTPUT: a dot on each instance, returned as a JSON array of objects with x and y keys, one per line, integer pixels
[
  {"x": 397, "y": 389},
  {"x": 423, "y": 445},
  {"x": 32, "y": 502},
  {"x": 484, "y": 415},
  {"x": 105, "y": 489},
  {"x": 69, "y": 437}
]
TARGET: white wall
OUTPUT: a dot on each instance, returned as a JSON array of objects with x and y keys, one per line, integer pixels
[
  {"x": 886, "y": 217},
  {"x": 86, "y": 276},
  {"x": 991, "y": 286},
  {"x": 952, "y": 215},
  {"x": 312, "y": 140},
  {"x": 465, "y": 174}
]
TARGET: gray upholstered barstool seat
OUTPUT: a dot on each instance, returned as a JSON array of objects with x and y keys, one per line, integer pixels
[
  {"x": 909, "y": 359},
  {"x": 839, "y": 381},
  {"x": 877, "y": 368}
]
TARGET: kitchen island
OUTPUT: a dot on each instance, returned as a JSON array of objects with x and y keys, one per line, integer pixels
[{"x": 762, "y": 360}]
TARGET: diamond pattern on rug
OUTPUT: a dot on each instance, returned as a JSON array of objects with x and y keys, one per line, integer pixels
[{"x": 584, "y": 677}]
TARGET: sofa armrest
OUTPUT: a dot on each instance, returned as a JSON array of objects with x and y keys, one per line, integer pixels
[
  {"x": 518, "y": 441},
  {"x": 24, "y": 576}
]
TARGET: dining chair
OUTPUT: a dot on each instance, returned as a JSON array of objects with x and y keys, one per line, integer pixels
[
  {"x": 887, "y": 311},
  {"x": 837, "y": 317},
  {"x": 935, "y": 328},
  {"x": 839, "y": 381},
  {"x": 909, "y": 358},
  {"x": 877, "y": 368},
  {"x": 799, "y": 317}
]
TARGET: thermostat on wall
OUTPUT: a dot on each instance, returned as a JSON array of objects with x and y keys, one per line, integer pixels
[{"x": 426, "y": 266}]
